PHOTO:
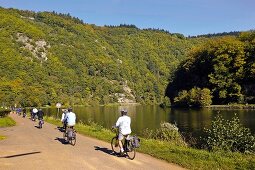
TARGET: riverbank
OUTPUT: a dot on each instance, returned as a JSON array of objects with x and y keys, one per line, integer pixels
[
  {"x": 184, "y": 156},
  {"x": 232, "y": 106}
]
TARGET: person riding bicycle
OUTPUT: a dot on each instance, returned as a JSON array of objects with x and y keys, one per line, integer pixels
[
  {"x": 70, "y": 118},
  {"x": 40, "y": 114},
  {"x": 34, "y": 113},
  {"x": 123, "y": 124}
]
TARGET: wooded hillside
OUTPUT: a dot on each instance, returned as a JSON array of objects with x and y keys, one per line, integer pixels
[{"x": 47, "y": 58}]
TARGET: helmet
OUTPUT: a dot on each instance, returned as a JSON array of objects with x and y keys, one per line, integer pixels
[{"x": 123, "y": 111}]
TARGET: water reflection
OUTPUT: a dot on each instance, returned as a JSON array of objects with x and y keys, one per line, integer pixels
[{"x": 188, "y": 120}]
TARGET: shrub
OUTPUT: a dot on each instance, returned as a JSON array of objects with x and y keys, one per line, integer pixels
[
  {"x": 4, "y": 112},
  {"x": 229, "y": 135},
  {"x": 167, "y": 132},
  {"x": 195, "y": 97}
]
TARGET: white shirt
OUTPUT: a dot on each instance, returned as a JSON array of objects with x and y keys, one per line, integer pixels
[
  {"x": 35, "y": 110},
  {"x": 71, "y": 118},
  {"x": 123, "y": 123}
]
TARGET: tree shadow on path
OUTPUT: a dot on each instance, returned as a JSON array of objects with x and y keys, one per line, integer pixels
[{"x": 17, "y": 155}]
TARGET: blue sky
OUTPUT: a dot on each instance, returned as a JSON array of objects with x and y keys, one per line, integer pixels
[{"x": 188, "y": 17}]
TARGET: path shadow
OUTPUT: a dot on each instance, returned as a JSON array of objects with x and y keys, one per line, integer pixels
[
  {"x": 105, "y": 150},
  {"x": 62, "y": 140},
  {"x": 23, "y": 154}
]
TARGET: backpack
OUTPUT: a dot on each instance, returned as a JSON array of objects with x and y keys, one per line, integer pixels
[{"x": 136, "y": 141}]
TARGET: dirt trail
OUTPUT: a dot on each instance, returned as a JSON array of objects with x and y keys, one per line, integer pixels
[{"x": 28, "y": 147}]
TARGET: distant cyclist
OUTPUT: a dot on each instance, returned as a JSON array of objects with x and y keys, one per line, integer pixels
[
  {"x": 34, "y": 113},
  {"x": 40, "y": 114},
  {"x": 123, "y": 124}
]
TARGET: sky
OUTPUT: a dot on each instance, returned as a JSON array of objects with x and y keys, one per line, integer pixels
[{"x": 188, "y": 17}]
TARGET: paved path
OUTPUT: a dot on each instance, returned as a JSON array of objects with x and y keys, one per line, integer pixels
[{"x": 28, "y": 147}]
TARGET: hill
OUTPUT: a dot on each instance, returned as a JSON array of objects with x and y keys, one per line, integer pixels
[{"x": 47, "y": 57}]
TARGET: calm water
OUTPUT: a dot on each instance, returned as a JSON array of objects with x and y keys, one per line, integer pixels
[{"x": 187, "y": 120}]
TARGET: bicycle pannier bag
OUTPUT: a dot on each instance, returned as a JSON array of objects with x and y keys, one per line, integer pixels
[{"x": 136, "y": 142}]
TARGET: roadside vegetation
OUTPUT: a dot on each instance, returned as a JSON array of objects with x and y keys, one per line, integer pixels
[
  {"x": 5, "y": 121},
  {"x": 167, "y": 144}
]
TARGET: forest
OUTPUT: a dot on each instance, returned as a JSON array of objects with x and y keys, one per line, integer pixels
[{"x": 49, "y": 57}]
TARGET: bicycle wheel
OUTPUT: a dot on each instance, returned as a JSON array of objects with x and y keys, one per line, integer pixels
[
  {"x": 130, "y": 151},
  {"x": 115, "y": 145},
  {"x": 73, "y": 139}
]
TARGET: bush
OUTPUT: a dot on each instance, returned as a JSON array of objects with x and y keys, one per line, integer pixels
[
  {"x": 229, "y": 135},
  {"x": 195, "y": 97},
  {"x": 6, "y": 122},
  {"x": 167, "y": 132},
  {"x": 4, "y": 112}
]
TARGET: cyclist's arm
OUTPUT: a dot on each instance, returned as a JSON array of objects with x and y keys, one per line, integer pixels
[{"x": 118, "y": 123}]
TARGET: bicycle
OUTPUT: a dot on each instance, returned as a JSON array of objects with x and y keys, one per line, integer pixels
[
  {"x": 128, "y": 147},
  {"x": 70, "y": 135}
]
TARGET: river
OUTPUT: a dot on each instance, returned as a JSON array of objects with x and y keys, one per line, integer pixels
[{"x": 187, "y": 120}]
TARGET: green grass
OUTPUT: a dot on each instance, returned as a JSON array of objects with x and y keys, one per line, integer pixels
[
  {"x": 2, "y": 137},
  {"x": 6, "y": 122},
  {"x": 182, "y": 155}
]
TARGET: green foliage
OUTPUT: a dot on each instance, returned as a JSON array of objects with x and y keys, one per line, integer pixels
[
  {"x": 4, "y": 112},
  {"x": 82, "y": 63},
  {"x": 224, "y": 65},
  {"x": 195, "y": 97},
  {"x": 229, "y": 135},
  {"x": 6, "y": 122},
  {"x": 167, "y": 132}
]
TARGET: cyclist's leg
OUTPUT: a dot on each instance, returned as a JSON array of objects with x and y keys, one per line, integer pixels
[{"x": 120, "y": 138}]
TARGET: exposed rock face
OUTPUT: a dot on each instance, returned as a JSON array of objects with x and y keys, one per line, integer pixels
[
  {"x": 37, "y": 48},
  {"x": 126, "y": 98}
]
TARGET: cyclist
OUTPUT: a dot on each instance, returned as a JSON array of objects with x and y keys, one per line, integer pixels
[
  {"x": 40, "y": 114},
  {"x": 34, "y": 114},
  {"x": 70, "y": 118},
  {"x": 123, "y": 125}
]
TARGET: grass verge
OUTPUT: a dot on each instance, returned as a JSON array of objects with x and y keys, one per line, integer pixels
[
  {"x": 184, "y": 156},
  {"x": 6, "y": 122}
]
